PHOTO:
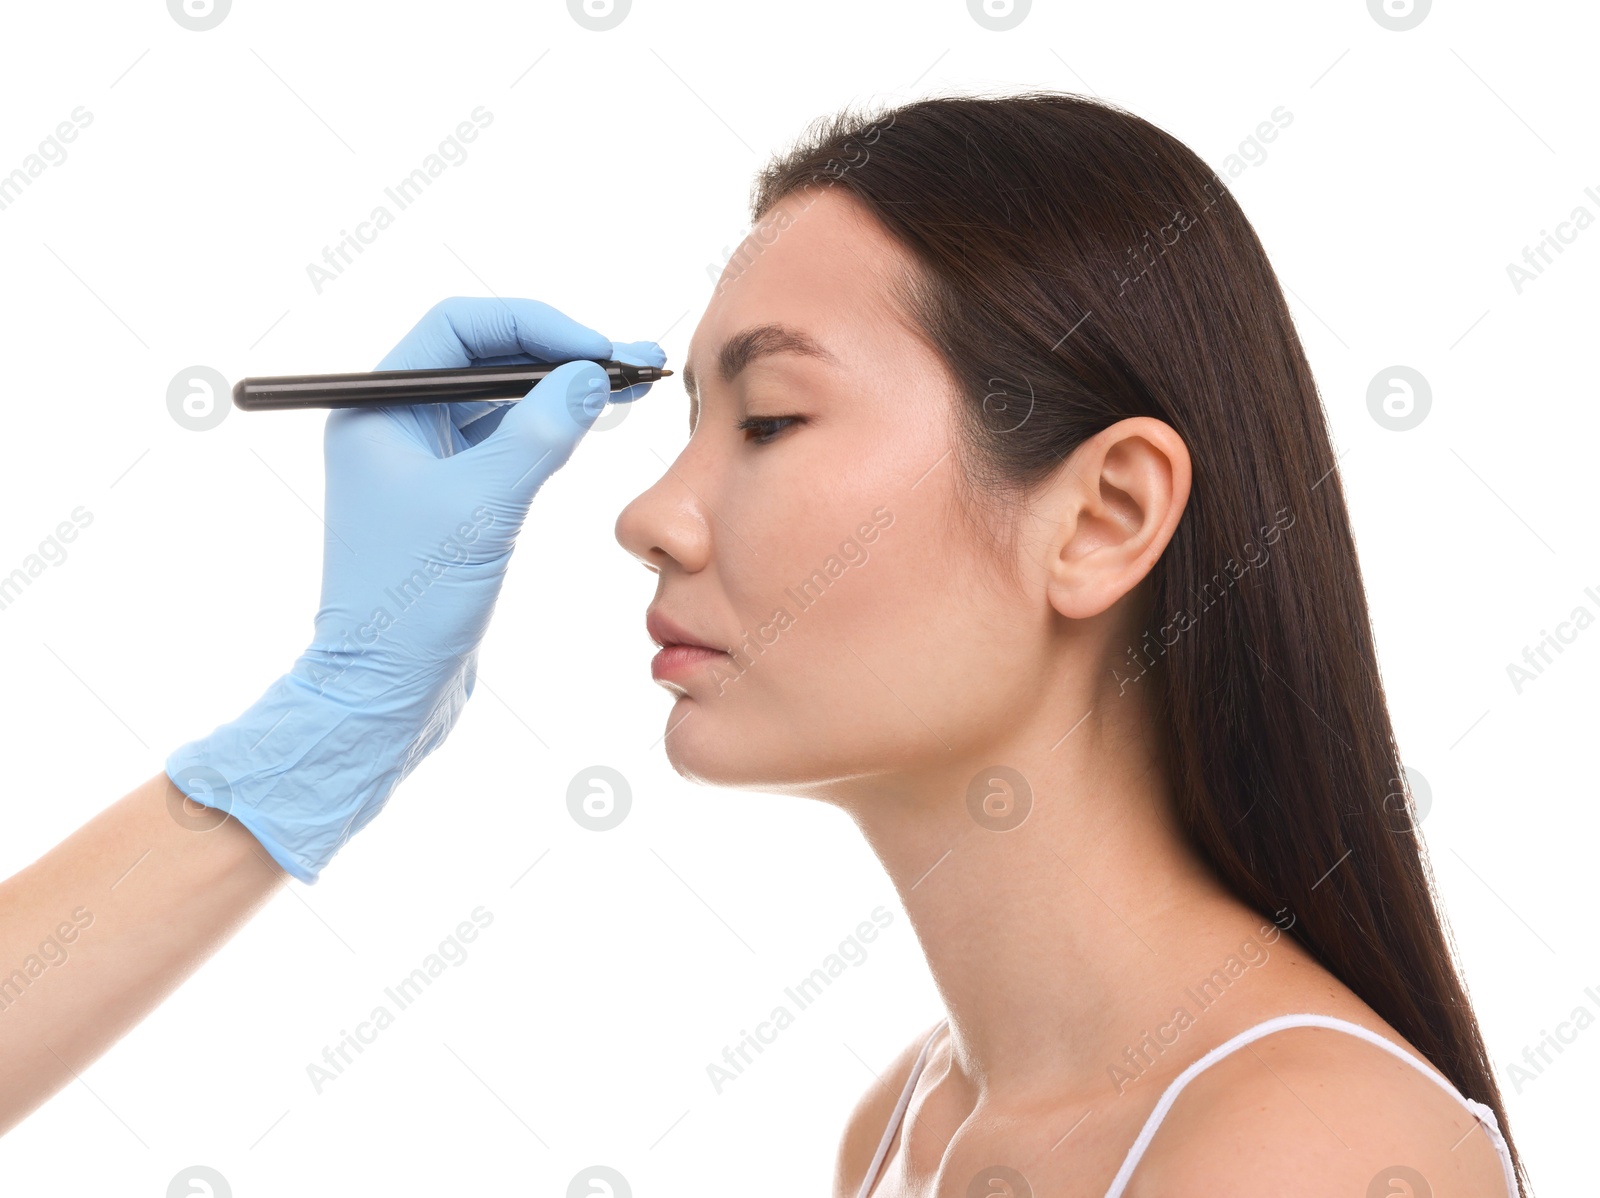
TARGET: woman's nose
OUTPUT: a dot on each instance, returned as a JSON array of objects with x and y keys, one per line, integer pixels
[{"x": 667, "y": 523}]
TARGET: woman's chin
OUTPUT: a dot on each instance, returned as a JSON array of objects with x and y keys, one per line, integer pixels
[
  {"x": 709, "y": 760},
  {"x": 705, "y": 769}
]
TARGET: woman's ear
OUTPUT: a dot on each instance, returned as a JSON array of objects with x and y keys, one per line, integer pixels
[{"x": 1113, "y": 505}]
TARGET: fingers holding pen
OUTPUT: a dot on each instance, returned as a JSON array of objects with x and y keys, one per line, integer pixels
[
  {"x": 638, "y": 353},
  {"x": 477, "y": 420},
  {"x": 534, "y": 436}
]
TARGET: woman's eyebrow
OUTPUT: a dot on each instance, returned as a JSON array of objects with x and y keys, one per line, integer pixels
[{"x": 758, "y": 341}]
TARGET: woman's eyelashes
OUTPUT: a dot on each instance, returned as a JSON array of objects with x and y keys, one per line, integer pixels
[{"x": 766, "y": 427}]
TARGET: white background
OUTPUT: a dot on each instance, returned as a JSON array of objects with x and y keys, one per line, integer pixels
[{"x": 177, "y": 232}]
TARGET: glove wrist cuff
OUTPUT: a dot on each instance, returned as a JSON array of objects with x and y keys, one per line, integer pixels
[{"x": 304, "y": 771}]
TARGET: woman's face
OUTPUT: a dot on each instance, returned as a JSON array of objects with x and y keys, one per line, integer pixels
[{"x": 868, "y": 635}]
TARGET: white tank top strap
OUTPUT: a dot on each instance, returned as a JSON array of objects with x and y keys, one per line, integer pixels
[
  {"x": 1484, "y": 1113},
  {"x": 899, "y": 1112}
]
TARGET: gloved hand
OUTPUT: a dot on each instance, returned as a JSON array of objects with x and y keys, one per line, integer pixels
[{"x": 423, "y": 506}]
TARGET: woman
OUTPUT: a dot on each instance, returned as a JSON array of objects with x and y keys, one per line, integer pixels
[{"x": 1009, "y": 523}]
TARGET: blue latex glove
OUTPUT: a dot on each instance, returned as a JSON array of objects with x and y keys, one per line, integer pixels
[{"x": 423, "y": 506}]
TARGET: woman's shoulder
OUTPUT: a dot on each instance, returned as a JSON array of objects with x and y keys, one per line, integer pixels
[
  {"x": 871, "y": 1115},
  {"x": 1315, "y": 1110}
]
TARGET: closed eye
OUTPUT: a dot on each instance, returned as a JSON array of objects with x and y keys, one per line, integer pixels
[{"x": 767, "y": 427}]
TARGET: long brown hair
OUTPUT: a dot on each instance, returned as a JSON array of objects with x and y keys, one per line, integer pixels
[{"x": 1079, "y": 266}]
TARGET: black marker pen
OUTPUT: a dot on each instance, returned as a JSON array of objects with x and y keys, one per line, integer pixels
[{"x": 415, "y": 386}]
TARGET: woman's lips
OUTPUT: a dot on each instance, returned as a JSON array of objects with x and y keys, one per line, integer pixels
[{"x": 676, "y": 661}]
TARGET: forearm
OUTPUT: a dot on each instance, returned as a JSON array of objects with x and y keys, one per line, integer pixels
[{"x": 97, "y": 932}]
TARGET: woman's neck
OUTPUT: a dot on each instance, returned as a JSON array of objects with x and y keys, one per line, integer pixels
[{"x": 1053, "y": 942}]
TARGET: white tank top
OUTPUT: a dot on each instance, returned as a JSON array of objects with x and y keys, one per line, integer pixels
[{"x": 1484, "y": 1113}]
